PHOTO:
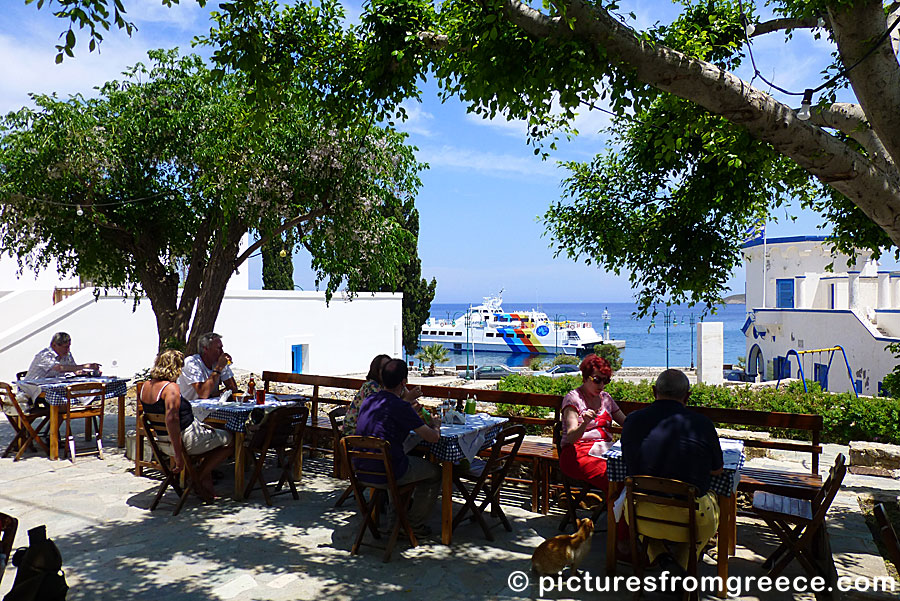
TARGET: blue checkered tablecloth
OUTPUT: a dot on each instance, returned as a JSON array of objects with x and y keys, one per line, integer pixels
[
  {"x": 235, "y": 413},
  {"x": 54, "y": 389},
  {"x": 464, "y": 441},
  {"x": 723, "y": 484}
]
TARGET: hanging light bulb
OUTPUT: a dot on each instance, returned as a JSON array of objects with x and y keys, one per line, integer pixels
[
  {"x": 749, "y": 27},
  {"x": 79, "y": 211},
  {"x": 820, "y": 23},
  {"x": 803, "y": 114},
  {"x": 283, "y": 253}
]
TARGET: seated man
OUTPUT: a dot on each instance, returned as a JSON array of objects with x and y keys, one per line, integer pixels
[
  {"x": 667, "y": 440},
  {"x": 53, "y": 361},
  {"x": 388, "y": 417},
  {"x": 204, "y": 371}
]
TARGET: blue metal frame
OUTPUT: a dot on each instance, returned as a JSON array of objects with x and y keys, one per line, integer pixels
[{"x": 830, "y": 358}]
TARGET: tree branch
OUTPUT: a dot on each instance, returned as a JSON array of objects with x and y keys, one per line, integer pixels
[
  {"x": 851, "y": 120},
  {"x": 765, "y": 27},
  {"x": 282, "y": 228},
  {"x": 433, "y": 41}
]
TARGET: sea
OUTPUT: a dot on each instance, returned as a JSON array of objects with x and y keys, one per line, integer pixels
[{"x": 647, "y": 342}]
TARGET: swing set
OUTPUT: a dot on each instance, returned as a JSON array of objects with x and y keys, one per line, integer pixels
[{"x": 823, "y": 378}]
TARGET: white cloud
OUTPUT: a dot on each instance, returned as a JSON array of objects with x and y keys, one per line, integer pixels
[
  {"x": 588, "y": 122},
  {"x": 418, "y": 119},
  {"x": 504, "y": 165},
  {"x": 187, "y": 14}
]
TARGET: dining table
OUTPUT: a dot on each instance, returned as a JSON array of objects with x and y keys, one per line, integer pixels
[
  {"x": 723, "y": 484},
  {"x": 231, "y": 414},
  {"x": 457, "y": 442},
  {"x": 53, "y": 390}
]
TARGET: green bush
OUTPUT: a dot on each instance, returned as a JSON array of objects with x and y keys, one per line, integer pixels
[
  {"x": 611, "y": 354},
  {"x": 566, "y": 360},
  {"x": 536, "y": 364},
  {"x": 844, "y": 416}
]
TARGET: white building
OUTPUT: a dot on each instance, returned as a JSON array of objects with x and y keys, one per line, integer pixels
[
  {"x": 796, "y": 307},
  {"x": 276, "y": 330}
]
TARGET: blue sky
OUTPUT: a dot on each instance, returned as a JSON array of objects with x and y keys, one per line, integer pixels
[{"x": 485, "y": 190}]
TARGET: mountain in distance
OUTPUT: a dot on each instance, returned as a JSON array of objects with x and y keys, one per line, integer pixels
[{"x": 735, "y": 299}]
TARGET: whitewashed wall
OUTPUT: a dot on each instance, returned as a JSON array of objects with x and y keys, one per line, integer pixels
[{"x": 258, "y": 329}]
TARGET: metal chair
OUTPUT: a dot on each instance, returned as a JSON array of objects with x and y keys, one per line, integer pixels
[
  {"x": 369, "y": 462},
  {"x": 281, "y": 432},
  {"x": 800, "y": 524},
  {"x": 93, "y": 395},
  {"x": 670, "y": 493},
  {"x": 23, "y": 423},
  {"x": 573, "y": 501},
  {"x": 488, "y": 477}
]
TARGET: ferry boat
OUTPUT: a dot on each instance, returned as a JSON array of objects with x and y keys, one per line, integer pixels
[{"x": 487, "y": 327}]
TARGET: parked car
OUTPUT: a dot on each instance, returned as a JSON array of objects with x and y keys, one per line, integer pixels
[
  {"x": 736, "y": 375},
  {"x": 558, "y": 371},
  {"x": 487, "y": 372}
]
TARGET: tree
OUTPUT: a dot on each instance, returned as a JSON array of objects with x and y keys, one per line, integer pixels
[
  {"x": 278, "y": 263},
  {"x": 168, "y": 169},
  {"x": 611, "y": 353},
  {"x": 678, "y": 100},
  {"x": 433, "y": 354}
]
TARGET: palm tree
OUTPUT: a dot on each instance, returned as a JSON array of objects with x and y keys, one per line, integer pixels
[{"x": 432, "y": 354}]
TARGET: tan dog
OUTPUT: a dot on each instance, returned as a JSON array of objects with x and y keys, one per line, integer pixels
[{"x": 556, "y": 553}]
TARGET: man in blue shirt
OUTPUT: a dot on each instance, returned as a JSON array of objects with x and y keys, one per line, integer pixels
[
  {"x": 388, "y": 417},
  {"x": 668, "y": 440}
]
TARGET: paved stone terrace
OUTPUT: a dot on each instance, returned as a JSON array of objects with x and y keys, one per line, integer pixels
[{"x": 114, "y": 548}]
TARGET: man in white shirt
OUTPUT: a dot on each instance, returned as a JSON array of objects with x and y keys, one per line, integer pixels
[
  {"x": 54, "y": 360},
  {"x": 204, "y": 371}
]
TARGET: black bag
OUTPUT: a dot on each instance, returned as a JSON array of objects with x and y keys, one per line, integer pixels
[{"x": 39, "y": 575}]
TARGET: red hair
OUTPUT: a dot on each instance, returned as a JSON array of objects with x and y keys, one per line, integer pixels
[{"x": 593, "y": 363}]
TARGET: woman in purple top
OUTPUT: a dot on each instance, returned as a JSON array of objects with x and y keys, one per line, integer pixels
[{"x": 587, "y": 413}]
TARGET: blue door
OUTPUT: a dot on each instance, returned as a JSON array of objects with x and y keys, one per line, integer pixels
[
  {"x": 782, "y": 367},
  {"x": 297, "y": 358},
  {"x": 784, "y": 294}
]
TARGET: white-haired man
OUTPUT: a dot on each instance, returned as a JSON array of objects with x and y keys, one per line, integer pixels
[
  {"x": 54, "y": 360},
  {"x": 205, "y": 371}
]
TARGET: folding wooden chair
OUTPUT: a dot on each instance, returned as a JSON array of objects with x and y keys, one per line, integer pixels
[
  {"x": 488, "y": 477},
  {"x": 158, "y": 437},
  {"x": 336, "y": 417},
  {"x": 282, "y": 433},
  {"x": 23, "y": 423},
  {"x": 571, "y": 500},
  {"x": 800, "y": 524},
  {"x": 8, "y": 527},
  {"x": 85, "y": 401},
  {"x": 369, "y": 459},
  {"x": 888, "y": 535},
  {"x": 670, "y": 493}
]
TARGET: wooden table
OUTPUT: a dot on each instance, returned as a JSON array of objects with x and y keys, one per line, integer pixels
[
  {"x": 53, "y": 390},
  {"x": 724, "y": 485},
  {"x": 232, "y": 416},
  {"x": 458, "y": 442}
]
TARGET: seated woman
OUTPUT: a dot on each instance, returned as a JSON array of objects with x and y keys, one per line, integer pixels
[
  {"x": 587, "y": 413},
  {"x": 371, "y": 386},
  {"x": 161, "y": 395}
]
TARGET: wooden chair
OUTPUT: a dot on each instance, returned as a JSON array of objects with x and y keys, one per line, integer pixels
[
  {"x": 888, "y": 535},
  {"x": 572, "y": 501},
  {"x": 8, "y": 527},
  {"x": 93, "y": 395},
  {"x": 336, "y": 417},
  {"x": 368, "y": 459},
  {"x": 158, "y": 437},
  {"x": 670, "y": 493},
  {"x": 281, "y": 432},
  {"x": 488, "y": 477},
  {"x": 23, "y": 423},
  {"x": 800, "y": 524}
]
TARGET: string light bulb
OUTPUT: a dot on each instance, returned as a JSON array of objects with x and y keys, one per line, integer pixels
[
  {"x": 79, "y": 211},
  {"x": 820, "y": 23},
  {"x": 749, "y": 27},
  {"x": 803, "y": 114},
  {"x": 283, "y": 253}
]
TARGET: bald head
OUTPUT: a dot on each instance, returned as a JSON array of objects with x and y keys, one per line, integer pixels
[{"x": 672, "y": 384}]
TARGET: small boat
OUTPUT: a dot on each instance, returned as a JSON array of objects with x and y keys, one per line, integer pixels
[{"x": 487, "y": 327}]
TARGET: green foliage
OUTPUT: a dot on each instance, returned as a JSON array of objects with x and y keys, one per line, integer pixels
[
  {"x": 433, "y": 354},
  {"x": 612, "y": 355},
  {"x": 170, "y": 169},
  {"x": 278, "y": 262},
  {"x": 539, "y": 384},
  {"x": 536, "y": 364},
  {"x": 565, "y": 360}
]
